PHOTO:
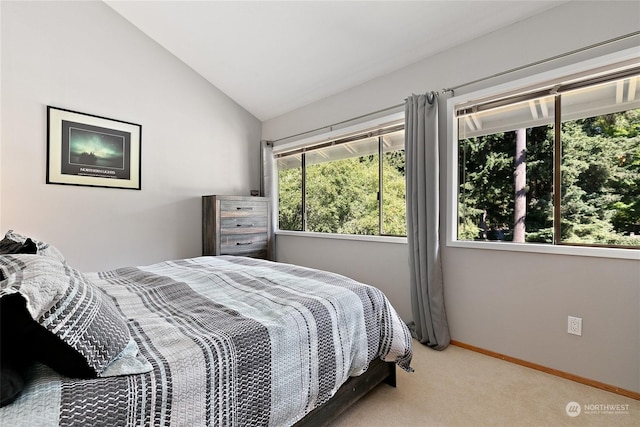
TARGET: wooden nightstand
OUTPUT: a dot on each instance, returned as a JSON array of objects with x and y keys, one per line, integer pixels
[{"x": 236, "y": 225}]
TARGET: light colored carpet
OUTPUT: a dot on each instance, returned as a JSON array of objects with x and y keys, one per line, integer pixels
[{"x": 459, "y": 387}]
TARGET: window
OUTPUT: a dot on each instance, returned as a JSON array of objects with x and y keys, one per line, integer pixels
[
  {"x": 556, "y": 165},
  {"x": 350, "y": 185}
]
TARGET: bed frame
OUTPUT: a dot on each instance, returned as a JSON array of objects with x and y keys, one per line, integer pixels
[{"x": 350, "y": 393}]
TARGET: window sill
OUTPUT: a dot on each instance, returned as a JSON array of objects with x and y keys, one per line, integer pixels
[
  {"x": 381, "y": 239},
  {"x": 632, "y": 254}
]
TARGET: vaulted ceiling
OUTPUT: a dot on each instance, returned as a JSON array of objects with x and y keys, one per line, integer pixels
[{"x": 272, "y": 57}]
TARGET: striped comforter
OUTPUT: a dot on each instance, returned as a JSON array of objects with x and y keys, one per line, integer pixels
[{"x": 232, "y": 341}]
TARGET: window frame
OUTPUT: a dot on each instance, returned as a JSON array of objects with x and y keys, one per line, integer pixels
[
  {"x": 453, "y": 104},
  {"x": 321, "y": 139}
]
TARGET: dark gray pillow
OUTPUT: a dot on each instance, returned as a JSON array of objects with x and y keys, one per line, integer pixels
[
  {"x": 15, "y": 354},
  {"x": 43, "y": 248},
  {"x": 8, "y": 246},
  {"x": 55, "y": 297},
  {"x": 11, "y": 383}
]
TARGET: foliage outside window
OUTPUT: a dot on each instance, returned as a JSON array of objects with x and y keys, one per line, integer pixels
[
  {"x": 559, "y": 168},
  {"x": 354, "y": 185}
]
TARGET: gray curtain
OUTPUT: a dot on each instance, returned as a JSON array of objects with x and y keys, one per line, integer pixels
[
  {"x": 429, "y": 324},
  {"x": 268, "y": 187}
]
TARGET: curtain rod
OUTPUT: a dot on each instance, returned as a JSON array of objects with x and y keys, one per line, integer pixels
[
  {"x": 330, "y": 127},
  {"x": 543, "y": 61},
  {"x": 453, "y": 88}
]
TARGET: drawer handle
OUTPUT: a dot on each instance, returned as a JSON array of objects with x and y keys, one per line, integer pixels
[
  {"x": 240, "y": 208},
  {"x": 244, "y": 225},
  {"x": 243, "y": 243}
]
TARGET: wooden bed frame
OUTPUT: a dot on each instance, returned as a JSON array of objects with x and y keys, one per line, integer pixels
[{"x": 350, "y": 393}]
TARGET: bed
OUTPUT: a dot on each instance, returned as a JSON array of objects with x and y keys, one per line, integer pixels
[{"x": 204, "y": 341}]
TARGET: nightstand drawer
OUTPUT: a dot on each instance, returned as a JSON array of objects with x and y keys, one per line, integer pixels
[
  {"x": 243, "y": 225},
  {"x": 240, "y": 244},
  {"x": 242, "y": 209}
]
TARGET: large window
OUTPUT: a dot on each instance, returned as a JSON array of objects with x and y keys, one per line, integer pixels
[
  {"x": 350, "y": 185},
  {"x": 558, "y": 165}
]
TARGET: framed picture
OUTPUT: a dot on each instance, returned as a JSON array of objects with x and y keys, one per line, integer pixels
[{"x": 83, "y": 149}]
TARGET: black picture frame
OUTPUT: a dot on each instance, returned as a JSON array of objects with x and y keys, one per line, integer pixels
[{"x": 94, "y": 151}]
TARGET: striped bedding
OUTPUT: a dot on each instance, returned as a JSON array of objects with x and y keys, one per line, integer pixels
[{"x": 232, "y": 341}]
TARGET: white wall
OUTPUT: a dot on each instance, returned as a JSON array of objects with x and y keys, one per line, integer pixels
[
  {"x": 511, "y": 303},
  {"x": 83, "y": 56},
  {"x": 383, "y": 265},
  {"x": 0, "y": 112}
]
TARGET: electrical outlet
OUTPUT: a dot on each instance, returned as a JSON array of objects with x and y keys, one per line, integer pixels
[{"x": 575, "y": 325}]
